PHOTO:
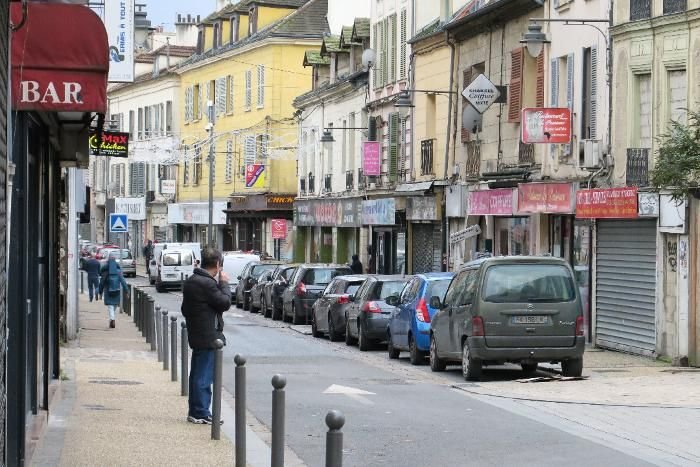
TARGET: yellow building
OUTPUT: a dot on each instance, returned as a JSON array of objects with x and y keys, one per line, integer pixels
[{"x": 237, "y": 95}]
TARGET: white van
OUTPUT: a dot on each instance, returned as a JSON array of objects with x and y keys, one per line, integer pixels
[
  {"x": 234, "y": 262},
  {"x": 176, "y": 265},
  {"x": 158, "y": 248}
]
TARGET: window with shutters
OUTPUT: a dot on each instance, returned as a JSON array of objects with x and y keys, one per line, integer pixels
[
  {"x": 230, "y": 93},
  {"x": 249, "y": 146},
  {"x": 156, "y": 126},
  {"x": 188, "y": 105},
  {"x": 392, "y": 48},
  {"x": 261, "y": 86},
  {"x": 539, "y": 96},
  {"x": 140, "y": 133},
  {"x": 678, "y": 92},
  {"x": 384, "y": 37},
  {"x": 643, "y": 113},
  {"x": 589, "y": 94},
  {"x": 394, "y": 133},
  {"x": 568, "y": 148},
  {"x": 137, "y": 178},
  {"x": 148, "y": 121},
  {"x": 196, "y": 102},
  {"x": 248, "y": 90},
  {"x": 169, "y": 118},
  {"x": 228, "y": 164},
  {"x": 221, "y": 96},
  {"x": 403, "y": 69},
  {"x": 515, "y": 89},
  {"x": 375, "y": 44},
  {"x": 186, "y": 167},
  {"x": 162, "y": 119},
  {"x": 197, "y": 165},
  {"x": 403, "y": 152},
  {"x": 132, "y": 124}
]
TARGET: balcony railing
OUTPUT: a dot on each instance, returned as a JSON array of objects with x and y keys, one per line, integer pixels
[
  {"x": 675, "y": 6},
  {"x": 349, "y": 180},
  {"x": 473, "y": 167},
  {"x": 426, "y": 157},
  {"x": 361, "y": 181},
  {"x": 327, "y": 183},
  {"x": 640, "y": 9},
  {"x": 638, "y": 167},
  {"x": 312, "y": 184},
  {"x": 302, "y": 185},
  {"x": 526, "y": 153}
]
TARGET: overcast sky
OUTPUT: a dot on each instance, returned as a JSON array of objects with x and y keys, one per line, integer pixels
[{"x": 165, "y": 11}]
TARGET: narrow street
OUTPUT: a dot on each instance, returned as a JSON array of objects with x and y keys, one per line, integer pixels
[{"x": 397, "y": 414}]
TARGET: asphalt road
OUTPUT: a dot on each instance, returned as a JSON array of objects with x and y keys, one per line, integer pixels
[{"x": 396, "y": 414}]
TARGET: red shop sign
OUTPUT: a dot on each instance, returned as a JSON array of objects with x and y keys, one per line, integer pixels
[
  {"x": 612, "y": 203},
  {"x": 546, "y": 125},
  {"x": 491, "y": 202},
  {"x": 545, "y": 197},
  {"x": 279, "y": 229}
]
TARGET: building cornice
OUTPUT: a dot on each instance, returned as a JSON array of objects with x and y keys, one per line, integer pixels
[{"x": 644, "y": 27}]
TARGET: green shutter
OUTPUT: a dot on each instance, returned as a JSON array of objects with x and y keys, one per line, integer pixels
[{"x": 394, "y": 129}]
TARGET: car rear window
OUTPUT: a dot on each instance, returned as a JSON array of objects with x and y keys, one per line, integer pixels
[
  {"x": 384, "y": 290},
  {"x": 353, "y": 287},
  {"x": 438, "y": 288},
  {"x": 517, "y": 283},
  {"x": 177, "y": 259},
  {"x": 323, "y": 276}
]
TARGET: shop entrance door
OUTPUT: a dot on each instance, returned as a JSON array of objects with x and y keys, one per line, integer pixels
[
  {"x": 512, "y": 236},
  {"x": 385, "y": 252}
]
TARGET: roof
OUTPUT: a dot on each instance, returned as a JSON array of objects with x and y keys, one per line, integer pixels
[
  {"x": 431, "y": 29},
  {"x": 280, "y": 3},
  {"x": 142, "y": 78},
  {"x": 323, "y": 265},
  {"x": 353, "y": 277},
  {"x": 331, "y": 44},
  {"x": 433, "y": 276},
  {"x": 360, "y": 29},
  {"x": 314, "y": 57},
  {"x": 175, "y": 51},
  {"x": 514, "y": 259},
  {"x": 476, "y": 17},
  {"x": 346, "y": 38}
]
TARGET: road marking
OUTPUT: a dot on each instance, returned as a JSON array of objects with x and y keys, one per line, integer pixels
[{"x": 353, "y": 393}]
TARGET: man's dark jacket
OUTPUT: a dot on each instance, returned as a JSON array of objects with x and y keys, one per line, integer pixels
[
  {"x": 203, "y": 303},
  {"x": 93, "y": 268}
]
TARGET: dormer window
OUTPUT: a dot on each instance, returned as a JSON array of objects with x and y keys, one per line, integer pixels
[
  {"x": 215, "y": 42},
  {"x": 252, "y": 21},
  {"x": 233, "y": 32},
  {"x": 200, "y": 40}
]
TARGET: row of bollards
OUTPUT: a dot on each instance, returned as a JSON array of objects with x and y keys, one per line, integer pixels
[{"x": 152, "y": 322}]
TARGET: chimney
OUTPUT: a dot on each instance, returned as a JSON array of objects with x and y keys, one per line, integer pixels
[
  {"x": 445, "y": 10},
  {"x": 179, "y": 18}
]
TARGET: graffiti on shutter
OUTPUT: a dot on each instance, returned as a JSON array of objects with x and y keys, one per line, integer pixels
[{"x": 515, "y": 90}]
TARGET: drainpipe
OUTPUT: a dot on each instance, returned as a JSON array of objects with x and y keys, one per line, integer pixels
[{"x": 445, "y": 226}]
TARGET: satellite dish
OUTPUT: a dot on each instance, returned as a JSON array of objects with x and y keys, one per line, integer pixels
[
  {"x": 369, "y": 58},
  {"x": 471, "y": 119}
]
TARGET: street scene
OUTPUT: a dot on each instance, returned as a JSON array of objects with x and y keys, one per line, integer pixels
[{"x": 325, "y": 233}]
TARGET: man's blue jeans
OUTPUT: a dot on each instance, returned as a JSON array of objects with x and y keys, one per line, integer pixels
[
  {"x": 201, "y": 379},
  {"x": 93, "y": 286}
]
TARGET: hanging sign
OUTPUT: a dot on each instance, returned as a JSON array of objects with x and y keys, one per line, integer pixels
[
  {"x": 112, "y": 144},
  {"x": 279, "y": 229},
  {"x": 371, "y": 159},
  {"x": 611, "y": 203},
  {"x": 481, "y": 93},
  {"x": 119, "y": 22},
  {"x": 469, "y": 232},
  {"x": 546, "y": 125},
  {"x": 168, "y": 187},
  {"x": 255, "y": 176}
]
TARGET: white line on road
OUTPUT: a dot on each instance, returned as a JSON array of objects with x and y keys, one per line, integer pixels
[{"x": 353, "y": 393}]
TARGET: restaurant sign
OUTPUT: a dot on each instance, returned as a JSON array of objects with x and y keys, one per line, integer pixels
[
  {"x": 491, "y": 202},
  {"x": 379, "y": 212},
  {"x": 110, "y": 143},
  {"x": 545, "y": 197},
  {"x": 611, "y": 203},
  {"x": 328, "y": 213},
  {"x": 546, "y": 125}
]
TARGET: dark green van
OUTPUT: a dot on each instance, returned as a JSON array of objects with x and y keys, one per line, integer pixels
[{"x": 517, "y": 309}]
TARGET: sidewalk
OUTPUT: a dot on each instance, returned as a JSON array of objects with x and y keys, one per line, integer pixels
[{"x": 119, "y": 407}]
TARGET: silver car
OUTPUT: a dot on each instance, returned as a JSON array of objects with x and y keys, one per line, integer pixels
[{"x": 125, "y": 261}]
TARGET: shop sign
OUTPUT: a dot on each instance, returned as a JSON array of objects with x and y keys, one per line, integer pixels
[
  {"x": 168, "y": 187},
  {"x": 481, "y": 93},
  {"x": 255, "y": 176},
  {"x": 330, "y": 213},
  {"x": 134, "y": 207},
  {"x": 491, "y": 202},
  {"x": 545, "y": 197},
  {"x": 421, "y": 208},
  {"x": 546, "y": 125},
  {"x": 648, "y": 204},
  {"x": 119, "y": 22},
  {"x": 611, "y": 203},
  {"x": 196, "y": 213},
  {"x": 379, "y": 212},
  {"x": 371, "y": 158},
  {"x": 111, "y": 143},
  {"x": 280, "y": 201},
  {"x": 279, "y": 229},
  {"x": 461, "y": 235}
]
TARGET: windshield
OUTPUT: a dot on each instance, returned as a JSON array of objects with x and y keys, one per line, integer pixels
[
  {"x": 518, "y": 283},
  {"x": 438, "y": 288},
  {"x": 177, "y": 259},
  {"x": 260, "y": 268},
  {"x": 387, "y": 289},
  {"x": 322, "y": 276}
]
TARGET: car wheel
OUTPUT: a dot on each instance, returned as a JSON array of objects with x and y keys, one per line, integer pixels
[
  {"x": 393, "y": 352},
  {"x": 238, "y": 303},
  {"x": 572, "y": 367},
  {"x": 159, "y": 287},
  {"x": 417, "y": 356},
  {"x": 529, "y": 368},
  {"x": 349, "y": 340},
  {"x": 314, "y": 328},
  {"x": 295, "y": 319},
  {"x": 362, "y": 340},
  {"x": 151, "y": 281},
  {"x": 471, "y": 368},
  {"x": 263, "y": 305},
  {"x": 332, "y": 333},
  {"x": 246, "y": 303},
  {"x": 436, "y": 363},
  {"x": 275, "y": 313}
]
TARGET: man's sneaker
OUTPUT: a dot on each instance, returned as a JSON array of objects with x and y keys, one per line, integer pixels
[
  {"x": 208, "y": 419},
  {"x": 198, "y": 421}
]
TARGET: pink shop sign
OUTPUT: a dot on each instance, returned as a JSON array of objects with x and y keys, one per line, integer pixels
[
  {"x": 491, "y": 202},
  {"x": 371, "y": 158}
]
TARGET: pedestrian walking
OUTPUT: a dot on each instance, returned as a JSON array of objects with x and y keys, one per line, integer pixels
[
  {"x": 147, "y": 254},
  {"x": 205, "y": 296},
  {"x": 356, "y": 265},
  {"x": 92, "y": 268},
  {"x": 112, "y": 281}
]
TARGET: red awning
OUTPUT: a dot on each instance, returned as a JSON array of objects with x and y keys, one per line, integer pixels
[{"x": 59, "y": 59}]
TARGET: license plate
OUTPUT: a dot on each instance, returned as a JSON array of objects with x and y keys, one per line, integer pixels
[
  {"x": 529, "y": 319},
  {"x": 171, "y": 275}
]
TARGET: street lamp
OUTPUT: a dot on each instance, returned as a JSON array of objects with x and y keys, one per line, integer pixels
[
  {"x": 403, "y": 104},
  {"x": 534, "y": 39},
  {"x": 327, "y": 137}
]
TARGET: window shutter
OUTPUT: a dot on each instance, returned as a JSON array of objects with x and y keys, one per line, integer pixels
[
  {"x": 199, "y": 103},
  {"x": 515, "y": 90},
  {"x": 539, "y": 102},
  {"x": 141, "y": 178},
  {"x": 467, "y": 79},
  {"x": 402, "y": 58},
  {"x": 248, "y": 89},
  {"x": 393, "y": 145},
  {"x": 385, "y": 52},
  {"x": 372, "y": 126},
  {"x": 404, "y": 149},
  {"x": 375, "y": 69},
  {"x": 220, "y": 96},
  {"x": 229, "y": 161},
  {"x": 231, "y": 94},
  {"x": 249, "y": 150},
  {"x": 392, "y": 48},
  {"x": 594, "y": 93},
  {"x": 554, "y": 83},
  {"x": 569, "y": 94},
  {"x": 261, "y": 85}
]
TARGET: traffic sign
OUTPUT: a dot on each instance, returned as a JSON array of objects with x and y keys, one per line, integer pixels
[
  {"x": 481, "y": 93},
  {"x": 279, "y": 229},
  {"x": 118, "y": 223}
]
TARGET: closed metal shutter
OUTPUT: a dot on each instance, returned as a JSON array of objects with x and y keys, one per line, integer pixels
[
  {"x": 4, "y": 47},
  {"x": 626, "y": 286},
  {"x": 427, "y": 250}
]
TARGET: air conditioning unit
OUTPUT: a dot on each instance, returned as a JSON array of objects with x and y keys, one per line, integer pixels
[{"x": 591, "y": 153}]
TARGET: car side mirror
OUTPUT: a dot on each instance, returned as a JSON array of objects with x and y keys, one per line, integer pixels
[
  {"x": 392, "y": 300},
  {"x": 435, "y": 302},
  {"x": 239, "y": 277},
  {"x": 269, "y": 279}
]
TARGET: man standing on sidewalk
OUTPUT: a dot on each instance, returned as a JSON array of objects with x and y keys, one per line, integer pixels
[
  {"x": 92, "y": 268},
  {"x": 205, "y": 296}
]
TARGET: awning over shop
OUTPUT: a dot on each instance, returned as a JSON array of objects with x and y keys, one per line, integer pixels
[
  {"x": 414, "y": 187},
  {"x": 60, "y": 59}
]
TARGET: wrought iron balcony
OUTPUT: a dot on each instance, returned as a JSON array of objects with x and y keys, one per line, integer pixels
[
  {"x": 638, "y": 166},
  {"x": 312, "y": 184},
  {"x": 302, "y": 185},
  {"x": 473, "y": 167},
  {"x": 640, "y": 9},
  {"x": 327, "y": 183},
  {"x": 426, "y": 157},
  {"x": 526, "y": 153},
  {"x": 675, "y": 6},
  {"x": 361, "y": 180},
  {"x": 349, "y": 180}
]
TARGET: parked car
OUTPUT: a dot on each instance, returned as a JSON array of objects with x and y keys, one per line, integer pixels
[
  {"x": 256, "y": 291},
  {"x": 174, "y": 266},
  {"x": 101, "y": 252},
  {"x": 328, "y": 313},
  {"x": 516, "y": 309},
  {"x": 409, "y": 325},
  {"x": 234, "y": 262},
  {"x": 158, "y": 248},
  {"x": 368, "y": 316},
  {"x": 249, "y": 277},
  {"x": 272, "y": 292},
  {"x": 126, "y": 261},
  {"x": 306, "y": 286}
]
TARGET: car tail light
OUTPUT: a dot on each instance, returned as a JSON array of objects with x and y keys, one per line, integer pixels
[
  {"x": 478, "y": 327},
  {"x": 343, "y": 299},
  {"x": 579, "y": 326},
  {"x": 371, "y": 307},
  {"x": 301, "y": 289},
  {"x": 422, "y": 311}
]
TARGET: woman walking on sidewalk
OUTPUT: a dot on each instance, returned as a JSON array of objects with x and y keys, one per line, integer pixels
[{"x": 111, "y": 283}]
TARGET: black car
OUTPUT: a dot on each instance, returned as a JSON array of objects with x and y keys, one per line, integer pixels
[
  {"x": 258, "y": 289},
  {"x": 249, "y": 277},
  {"x": 306, "y": 286},
  {"x": 368, "y": 317},
  {"x": 328, "y": 315},
  {"x": 272, "y": 293}
]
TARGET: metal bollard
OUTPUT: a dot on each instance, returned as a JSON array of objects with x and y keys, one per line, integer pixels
[
  {"x": 173, "y": 348},
  {"x": 216, "y": 402},
  {"x": 182, "y": 283},
  {"x": 152, "y": 323},
  {"x": 129, "y": 300},
  {"x": 164, "y": 340},
  {"x": 184, "y": 351},
  {"x": 159, "y": 341},
  {"x": 240, "y": 411},
  {"x": 135, "y": 314},
  {"x": 82, "y": 287},
  {"x": 278, "y": 402},
  {"x": 334, "y": 438},
  {"x": 149, "y": 312}
]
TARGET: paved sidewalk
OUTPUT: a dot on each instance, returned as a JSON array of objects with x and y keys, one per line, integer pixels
[{"x": 119, "y": 407}]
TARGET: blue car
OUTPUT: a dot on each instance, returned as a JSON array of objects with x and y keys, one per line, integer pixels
[{"x": 409, "y": 325}]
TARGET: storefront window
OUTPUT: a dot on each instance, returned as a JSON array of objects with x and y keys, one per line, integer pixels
[
  {"x": 250, "y": 235},
  {"x": 512, "y": 236},
  {"x": 581, "y": 264}
]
